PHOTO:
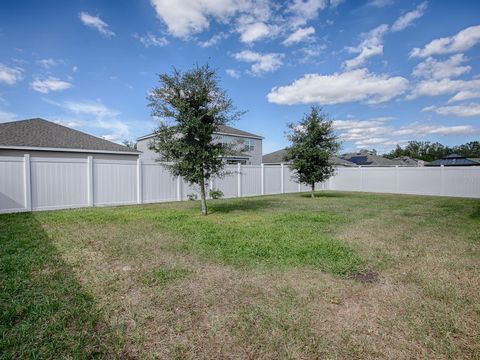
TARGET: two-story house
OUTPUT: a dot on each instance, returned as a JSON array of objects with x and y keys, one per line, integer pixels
[{"x": 249, "y": 146}]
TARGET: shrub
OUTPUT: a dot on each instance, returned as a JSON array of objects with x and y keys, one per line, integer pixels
[
  {"x": 192, "y": 196},
  {"x": 216, "y": 194}
]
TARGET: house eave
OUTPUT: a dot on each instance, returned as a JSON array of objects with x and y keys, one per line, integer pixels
[{"x": 34, "y": 148}]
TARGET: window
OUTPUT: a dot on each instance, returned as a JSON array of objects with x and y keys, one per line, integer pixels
[{"x": 250, "y": 145}]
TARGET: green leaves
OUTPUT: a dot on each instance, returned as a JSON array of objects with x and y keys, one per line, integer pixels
[
  {"x": 313, "y": 142},
  {"x": 196, "y": 106}
]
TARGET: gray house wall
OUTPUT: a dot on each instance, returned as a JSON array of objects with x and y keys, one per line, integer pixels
[{"x": 254, "y": 157}]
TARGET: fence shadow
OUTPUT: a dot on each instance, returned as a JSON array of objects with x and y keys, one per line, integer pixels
[{"x": 44, "y": 312}]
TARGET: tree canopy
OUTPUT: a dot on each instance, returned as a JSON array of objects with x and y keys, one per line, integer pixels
[
  {"x": 313, "y": 142},
  {"x": 427, "y": 151}
]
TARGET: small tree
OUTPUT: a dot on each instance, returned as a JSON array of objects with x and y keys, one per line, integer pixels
[
  {"x": 313, "y": 143},
  {"x": 196, "y": 106}
]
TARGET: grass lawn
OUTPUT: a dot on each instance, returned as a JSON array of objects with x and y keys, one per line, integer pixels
[{"x": 344, "y": 275}]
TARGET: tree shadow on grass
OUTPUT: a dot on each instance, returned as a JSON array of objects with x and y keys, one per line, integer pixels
[
  {"x": 326, "y": 195},
  {"x": 44, "y": 313},
  {"x": 243, "y": 204}
]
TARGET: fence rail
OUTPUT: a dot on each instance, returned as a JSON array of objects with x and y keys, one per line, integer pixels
[{"x": 35, "y": 183}]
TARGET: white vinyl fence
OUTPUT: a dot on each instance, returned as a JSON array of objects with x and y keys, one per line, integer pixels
[{"x": 57, "y": 183}]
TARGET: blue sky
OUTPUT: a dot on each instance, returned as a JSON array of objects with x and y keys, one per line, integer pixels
[{"x": 387, "y": 71}]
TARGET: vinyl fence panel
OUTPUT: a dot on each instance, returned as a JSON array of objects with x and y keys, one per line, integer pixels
[
  {"x": 55, "y": 183},
  {"x": 115, "y": 182},
  {"x": 58, "y": 183},
  {"x": 12, "y": 186}
]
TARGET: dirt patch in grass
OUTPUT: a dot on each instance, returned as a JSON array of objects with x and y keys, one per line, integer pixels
[{"x": 367, "y": 276}]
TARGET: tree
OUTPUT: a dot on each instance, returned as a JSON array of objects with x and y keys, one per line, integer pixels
[
  {"x": 313, "y": 142},
  {"x": 192, "y": 106},
  {"x": 129, "y": 144}
]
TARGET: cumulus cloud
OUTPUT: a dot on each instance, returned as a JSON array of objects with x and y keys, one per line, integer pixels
[
  {"x": 48, "y": 63},
  {"x": 462, "y": 110},
  {"x": 94, "y": 114},
  {"x": 433, "y": 69},
  {"x": 465, "y": 95},
  {"x": 233, "y": 73},
  {"x": 261, "y": 63},
  {"x": 214, "y": 40},
  {"x": 150, "y": 39},
  {"x": 10, "y": 75},
  {"x": 435, "y": 87},
  {"x": 299, "y": 35},
  {"x": 254, "y": 31},
  {"x": 50, "y": 83},
  {"x": 381, "y": 134},
  {"x": 380, "y": 3},
  {"x": 96, "y": 23},
  {"x": 351, "y": 86},
  {"x": 407, "y": 19},
  {"x": 304, "y": 10},
  {"x": 462, "y": 41},
  {"x": 371, "y": 45}
]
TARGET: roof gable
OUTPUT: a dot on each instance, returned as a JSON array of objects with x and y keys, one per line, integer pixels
[{"x": 40, "y": 133}]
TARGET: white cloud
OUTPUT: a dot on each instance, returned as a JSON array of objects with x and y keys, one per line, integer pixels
[
  {"x": 262, "y": 63},
  {"x": 460, "y": 42},
  {"x": 187, "y": 17},
  {"x": 371, "y": 45},
  {"x": 96, "y": 115},
  {"x": 379, "y": 133},
  {"x": 433, "y": 69},
  {"x": 233, "y": 73},
  {"x": 96, "y": 23},
  {"x": 150, "y": 39},
  {"x": 6, "y": 116},
  {"x": 299, "y": 35},
  {"x": 214, "y": 40},
  {"x": 71, "y": 123},
  {"x": 408, "y": 18},
  {"x": 10, "y": 75},
  {"x": 253, "y": 32},
  {"x": 48, "y": 63},
  {"x": 350, "y": 86},
  {"x": 335, "y": 3},
  {"x": 48, "y": 84},
  {"x": 380, "y": 3},
  {"x": 465, "y": 95},
  {"x": 462, "y": 110},
  {"x": 435, "y": 87},
  {"x": 304, "y": 10}
]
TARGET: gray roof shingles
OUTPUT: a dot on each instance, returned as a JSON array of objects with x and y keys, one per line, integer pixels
[
  {"x": 46, "y": 134},
  {"x": 277, "y": 157}
]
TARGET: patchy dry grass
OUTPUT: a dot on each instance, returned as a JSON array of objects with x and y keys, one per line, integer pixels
[{"x": 271, "y": 277}]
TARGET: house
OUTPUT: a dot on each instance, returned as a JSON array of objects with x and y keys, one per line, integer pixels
[
  {"x": 367, "y": 158},
  {"x": 42, "y": 138},
  {"x": 454, "y": 160},
  {"x": 277, "y": 157},
  {"x": 249, "y": 146}
]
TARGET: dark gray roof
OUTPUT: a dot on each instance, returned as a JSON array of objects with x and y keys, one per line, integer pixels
[
  {"x": 368, "y": 159},
  {"x": 232, "y": 131},
  {"x": 277, "y": 157},
  {"x": 222, "y": 129},
  {"x": 454, "y": 160},
  {"x": 46, "y": 134},
  {"x": 406, "y": 161}
]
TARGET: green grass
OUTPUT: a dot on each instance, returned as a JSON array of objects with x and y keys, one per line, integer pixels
[{"x": 266, "y": 277}]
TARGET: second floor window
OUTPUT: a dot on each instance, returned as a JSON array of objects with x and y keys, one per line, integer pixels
[{"x": 250, "y": 145}]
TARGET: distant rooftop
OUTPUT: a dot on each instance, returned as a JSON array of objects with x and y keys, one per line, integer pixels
[
  {"x": 40, "y": 133},
  {"x": 454, "y": 160},
  {"x": 277, "y": 157}
]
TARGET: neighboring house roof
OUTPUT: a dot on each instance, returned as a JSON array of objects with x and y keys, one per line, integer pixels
[
  {"x": 277, "y": 157},
  {"x": 40, "y": 134},
  {"x": 454, "y": 160},
  {"x": 368, "y": 159},
  {"x": 406, "y": 161},
  {"x": 222, "y": 130}
]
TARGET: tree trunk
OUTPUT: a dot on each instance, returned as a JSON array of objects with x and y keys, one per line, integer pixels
[
  {"x": 313, "y": 191},
  {"x": 203, "y": 197}
]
